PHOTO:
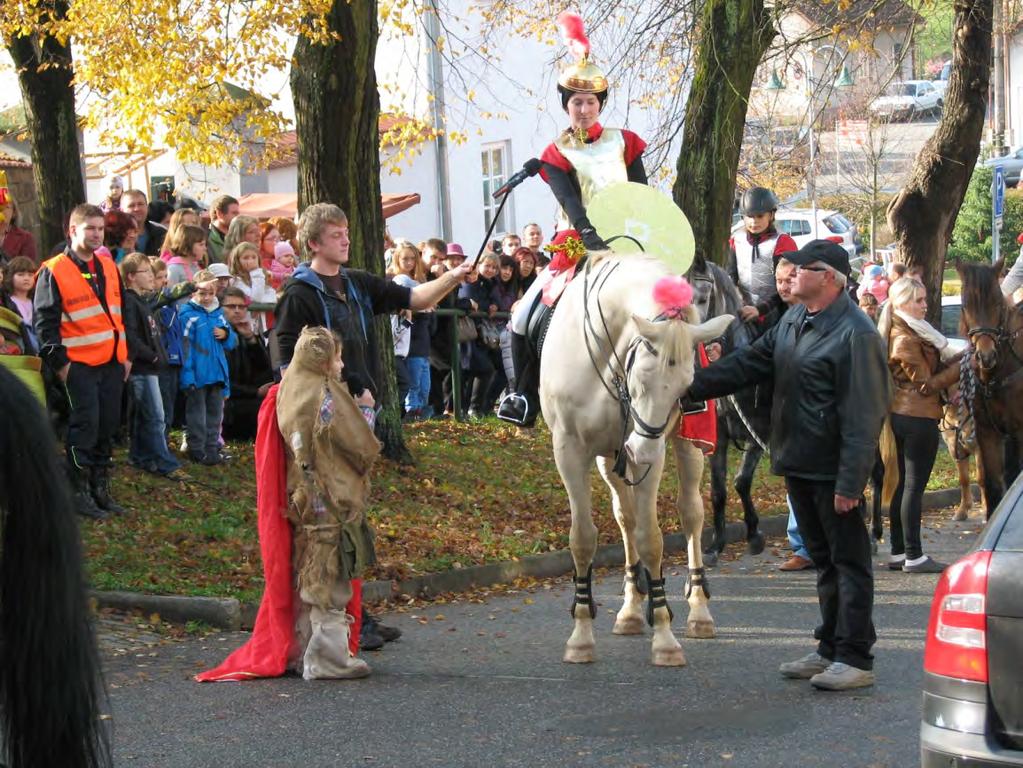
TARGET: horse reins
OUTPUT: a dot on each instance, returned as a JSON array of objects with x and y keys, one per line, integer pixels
[{"x": 618, "y": 389}]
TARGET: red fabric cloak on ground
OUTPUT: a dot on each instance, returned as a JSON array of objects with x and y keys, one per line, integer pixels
[{"x": 266, "y": 652}]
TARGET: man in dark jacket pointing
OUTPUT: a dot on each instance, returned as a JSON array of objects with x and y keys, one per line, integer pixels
[{"x": 831, "y": 394}]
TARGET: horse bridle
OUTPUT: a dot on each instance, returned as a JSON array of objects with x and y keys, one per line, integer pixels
[{"x": 618, "y": 389}]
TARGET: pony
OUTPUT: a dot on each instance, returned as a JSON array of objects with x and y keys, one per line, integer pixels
[
  {"x": 994, "y": 392},
  {"x": 737, "y": 415},
  {"x": 613, "y": 367},
  {"x": 50, "y": 688}
]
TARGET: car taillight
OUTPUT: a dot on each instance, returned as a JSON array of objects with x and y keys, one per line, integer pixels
[
  {"x": 957, "y": 630},
  {"x": 835, "y": 239}
]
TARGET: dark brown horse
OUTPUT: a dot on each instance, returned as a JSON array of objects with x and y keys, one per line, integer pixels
[{"x": 995, "y": 330}]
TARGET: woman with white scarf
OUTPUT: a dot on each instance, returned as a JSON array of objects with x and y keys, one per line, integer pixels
[{"x": 922, "y": 365}]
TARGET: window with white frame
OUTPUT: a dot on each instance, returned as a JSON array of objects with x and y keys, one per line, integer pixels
[{"x": 494, "y": 158}]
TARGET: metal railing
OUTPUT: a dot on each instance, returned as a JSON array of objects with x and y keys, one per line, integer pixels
[{"x": 456, "y": 359}]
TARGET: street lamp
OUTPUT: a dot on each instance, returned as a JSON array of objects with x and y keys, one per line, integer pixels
[{"x": 844, "y": 80}]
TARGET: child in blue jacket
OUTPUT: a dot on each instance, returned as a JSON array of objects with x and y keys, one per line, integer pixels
[{"x": 204, "y": 374}]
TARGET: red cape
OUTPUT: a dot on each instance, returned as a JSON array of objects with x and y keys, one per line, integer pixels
[{"x": 266, "y": 652}]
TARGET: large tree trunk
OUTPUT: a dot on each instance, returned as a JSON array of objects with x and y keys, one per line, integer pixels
[
  {"x": 337, "y": 112},
  {"x": 733, "y": 36},
  {"x": 924, "y": 212},
  {"x": 45, "y": 76}
]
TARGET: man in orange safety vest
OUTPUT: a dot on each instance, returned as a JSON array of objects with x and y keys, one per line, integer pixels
[{"x": 81, "y": 333}]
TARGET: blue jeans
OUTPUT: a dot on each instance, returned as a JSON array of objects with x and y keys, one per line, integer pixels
[
  {"x": 795, "y": 540},
  {"x": 419, "y": 383},
  {"x": 148, "y": 439}
]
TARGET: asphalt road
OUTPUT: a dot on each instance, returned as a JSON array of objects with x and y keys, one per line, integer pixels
[{"x": 482, "y": 684}]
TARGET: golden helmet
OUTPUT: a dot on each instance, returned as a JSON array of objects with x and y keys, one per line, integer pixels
[{"x": 583, "y": 76}]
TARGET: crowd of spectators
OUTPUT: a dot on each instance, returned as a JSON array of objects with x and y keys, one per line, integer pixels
[{"x": 199, "y": 293}]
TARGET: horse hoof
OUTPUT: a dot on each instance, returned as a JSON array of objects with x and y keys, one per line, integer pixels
[
  {"x": 629, "y": 625},
  {"x": 961, "y": 514},
  {"x": 668, "y": 657},
  {"x": 710, "y": 559},
  {"x": 579, "y": 656},
  {"x": 755, "y": 545},
  {"x": 701, "y": 630}
]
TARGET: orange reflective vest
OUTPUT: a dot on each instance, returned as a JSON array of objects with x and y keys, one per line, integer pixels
[{"x": 90, "y": 335}]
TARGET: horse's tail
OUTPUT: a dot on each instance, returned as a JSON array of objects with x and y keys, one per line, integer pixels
[
  {"x": 890, "y": 458},
  {"x": 49, "y": 669}
]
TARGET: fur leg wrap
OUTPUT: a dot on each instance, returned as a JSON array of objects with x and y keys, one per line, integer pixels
[
  {"x": 584, "y": 593},
  {"x": 697, "y": 578},
  {"x": 656, "y": 599},
  {"x": 636, "y": 575}
]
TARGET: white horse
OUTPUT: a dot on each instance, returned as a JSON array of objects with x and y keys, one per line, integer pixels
[{"x": 613, "y": 370}]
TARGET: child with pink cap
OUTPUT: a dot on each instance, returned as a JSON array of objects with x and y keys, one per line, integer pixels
[{"x": 283, "y": 265}]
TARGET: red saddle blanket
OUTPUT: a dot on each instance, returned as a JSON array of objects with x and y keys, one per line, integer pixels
[{"x": 701, "y": 428}]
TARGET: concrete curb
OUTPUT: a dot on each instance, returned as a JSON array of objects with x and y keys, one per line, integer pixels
[{"x": 228, "y": 613}]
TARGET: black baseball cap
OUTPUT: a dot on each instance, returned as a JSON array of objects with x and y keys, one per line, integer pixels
[{"x": 824, "y": 251}]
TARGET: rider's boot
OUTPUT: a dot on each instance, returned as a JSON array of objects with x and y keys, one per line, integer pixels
[{"x": 522, "y": 406}]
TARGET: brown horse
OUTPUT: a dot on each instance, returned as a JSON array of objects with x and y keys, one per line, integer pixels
[{"x": 994, "y": 328}]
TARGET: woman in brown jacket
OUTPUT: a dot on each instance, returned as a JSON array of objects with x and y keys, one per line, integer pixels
[{"x": 922, "y": 365}]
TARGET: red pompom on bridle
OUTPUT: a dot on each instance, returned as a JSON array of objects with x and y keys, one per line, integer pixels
[{"x": 673, "y": 295}]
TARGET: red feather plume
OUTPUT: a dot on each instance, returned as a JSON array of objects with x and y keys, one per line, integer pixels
[
  {"x": 574, "y": 33},
  {"x": 673, "y": 295}
]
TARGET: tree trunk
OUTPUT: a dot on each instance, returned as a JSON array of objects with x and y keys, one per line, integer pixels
[
  {"x": 924, "y": 212},
  {"x": 49, "y": 100},
  {"x": 733, "y": 37},
  {"x": 337, "y": 113}
]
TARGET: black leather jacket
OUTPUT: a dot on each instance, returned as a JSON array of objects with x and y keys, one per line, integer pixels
[{"x": 831, "y": 392}]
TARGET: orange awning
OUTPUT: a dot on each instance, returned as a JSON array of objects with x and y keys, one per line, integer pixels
[{"x": 266, "y": 206}]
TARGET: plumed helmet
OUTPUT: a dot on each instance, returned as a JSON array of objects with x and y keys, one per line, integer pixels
[
  {"x": 756, "y": 200},
  {"x": 582, "y": 76}
]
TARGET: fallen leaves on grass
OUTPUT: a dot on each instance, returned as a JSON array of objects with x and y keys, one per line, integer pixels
[{"x": 479, "y": 493}]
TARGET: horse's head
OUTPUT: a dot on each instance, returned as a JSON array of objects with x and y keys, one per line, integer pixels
[
  {"x": 658, "y": 371},
  {"x": 983, "y": 313}
]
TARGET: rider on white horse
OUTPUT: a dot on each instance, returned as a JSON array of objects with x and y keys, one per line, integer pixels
[{"x": 583, "y": 160}]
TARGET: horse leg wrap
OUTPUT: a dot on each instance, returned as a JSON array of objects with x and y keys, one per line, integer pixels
[
  {"x": 697, "y": 578},
  {"x": 657, "y": 598},
  {"x": 636, "y": 575},
  {"x": 584, "y": 593}
]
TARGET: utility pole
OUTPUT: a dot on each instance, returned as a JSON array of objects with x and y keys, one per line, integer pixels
[{"x": 998, "y": 81}]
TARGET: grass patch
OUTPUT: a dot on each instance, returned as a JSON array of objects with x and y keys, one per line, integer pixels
[{"x": 480, "y": 493}]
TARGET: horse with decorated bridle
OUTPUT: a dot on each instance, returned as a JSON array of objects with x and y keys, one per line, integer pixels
[{"x": 991, "y": 376}]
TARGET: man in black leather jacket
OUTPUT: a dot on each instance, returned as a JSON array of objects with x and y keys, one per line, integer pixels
[{"x": 831, "y": 394}]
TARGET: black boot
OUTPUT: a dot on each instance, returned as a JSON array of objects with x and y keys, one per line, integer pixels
[
  {"x": 99, "y": 484},
  {"x": 389, "y": 634},
  {"x": 522, "y": 406},
  {"x": 85, "y": 505}
]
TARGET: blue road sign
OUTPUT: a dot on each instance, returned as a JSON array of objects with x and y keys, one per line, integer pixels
[{"x": 999, "y": 190}]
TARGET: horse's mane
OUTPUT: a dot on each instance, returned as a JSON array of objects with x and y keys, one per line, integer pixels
[{"x": 980, "y": 289}]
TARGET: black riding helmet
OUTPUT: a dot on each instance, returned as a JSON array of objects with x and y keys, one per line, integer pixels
[{"x": 758, "y": 200}]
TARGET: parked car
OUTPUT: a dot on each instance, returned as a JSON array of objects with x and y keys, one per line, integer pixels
[
  {"x": 798, "y": 223},
  {"x": 907, "y": 100},
  {"x": 951, "y": 311},
  {"x": 973, "y": 674},
  {"x": 1012, "y": 165}
]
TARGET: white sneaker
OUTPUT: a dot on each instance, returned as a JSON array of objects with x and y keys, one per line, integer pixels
[
  {"x": 842, "y": 677},
  {"x": 804, "y": 668}
]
